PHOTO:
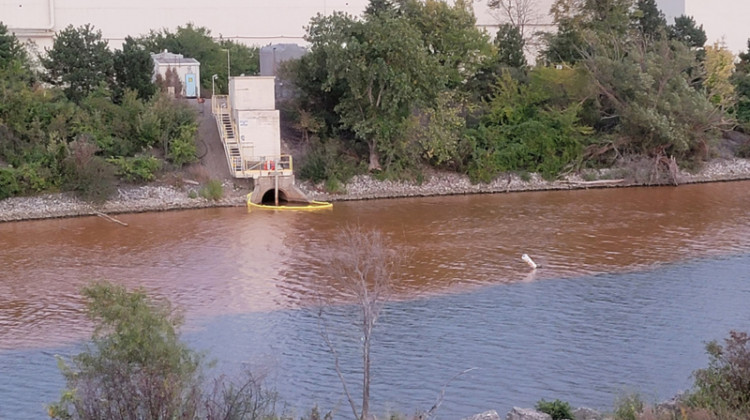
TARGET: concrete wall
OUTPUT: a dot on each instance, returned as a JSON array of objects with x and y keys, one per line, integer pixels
[
  {"x": 259, "y": 130},
  {"x": 252, "y": 93}
]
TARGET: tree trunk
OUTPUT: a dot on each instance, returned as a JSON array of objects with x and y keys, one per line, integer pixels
[{"x": 374, "y": 157}]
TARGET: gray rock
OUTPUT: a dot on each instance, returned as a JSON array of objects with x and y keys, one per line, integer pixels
[
  {"x": 518, "y": 413},
  {"x": 585, "y": 413},
  {"x": 487, "y": 415}
]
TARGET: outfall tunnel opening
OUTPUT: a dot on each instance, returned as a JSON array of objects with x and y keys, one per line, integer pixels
[
  {"x": 269, "y": 198},
  {"x": 265, "y": 187}
]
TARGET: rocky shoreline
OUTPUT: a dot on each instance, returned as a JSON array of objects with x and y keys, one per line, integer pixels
[{"x": 165, "y": 197}]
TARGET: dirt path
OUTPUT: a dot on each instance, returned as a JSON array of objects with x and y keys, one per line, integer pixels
[{"x": 213, "y": 157}]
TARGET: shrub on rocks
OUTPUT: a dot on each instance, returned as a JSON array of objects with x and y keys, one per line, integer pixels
[{"x": 559, "y": 410}]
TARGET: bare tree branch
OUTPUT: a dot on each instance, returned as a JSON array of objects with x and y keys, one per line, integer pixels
[{"x": 361, "y": 266}]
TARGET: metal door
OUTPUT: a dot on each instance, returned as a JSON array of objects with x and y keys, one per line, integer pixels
[{"x": 190, "y": 86}]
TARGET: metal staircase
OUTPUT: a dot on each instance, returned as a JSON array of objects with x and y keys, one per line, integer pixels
[
  {"x": 241, "y": 160},
  {"x": 223, "y": 116}
]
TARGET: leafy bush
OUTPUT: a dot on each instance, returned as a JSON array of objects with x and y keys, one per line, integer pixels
[
  {"x": 136, "y": 169},
  {"x": 8, "y": 184},
  {"x": 520, "y": 132},
  {"x": 182, "y": 148},
  {"x": 328, "y": 162},
  {"x": 724, "y": 386},
  {"x": 137, "y": 367},
  {"x": 559, "y": 410},
  {"x": 34, "y": 177},
  {"x": 136, "y": 363},
  {"x": 212, "y": 190},
  {"x": 92, "y": 177},
  {"x": 628, "y": 407}
]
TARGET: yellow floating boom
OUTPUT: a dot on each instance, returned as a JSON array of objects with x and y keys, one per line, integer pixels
[{"x": 312, "y": 205}]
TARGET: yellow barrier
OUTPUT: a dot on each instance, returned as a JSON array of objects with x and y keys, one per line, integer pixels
[{"x": 313, "y": 205}]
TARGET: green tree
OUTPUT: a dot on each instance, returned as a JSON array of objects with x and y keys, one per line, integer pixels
[
  {"x": 79, "y": 61},
  {"x": 11, "y": 50},
  {"x": 741, "y": 81},
  {"x": 510, "y": 45},
  {"x": 133, "y": 68},
  {"x": 724, "y": 386},
  {"x": 244, "y": 60},
  {"x": 648, "y": 92},
  {"x": 649, "y": 20},
  {"x": 197, "y": 42},
  {"x": 687, "y": 31},
  {"x": 581, "y": 23},
  {"x": 523, "y": 130},
  {"x": 744, "y": 64},
  {"x": 136, "y": 367},
  {"x": 383, "y": 70},
  {"x": 451, "y": 37},
  {"x": 719, "y": 65}
]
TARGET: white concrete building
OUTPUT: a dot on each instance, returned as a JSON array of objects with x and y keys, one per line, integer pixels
[
  {"x": 262, "y": 22},
  {"x": 188, "y": 72},
  {"x": 253, "y": 106}
]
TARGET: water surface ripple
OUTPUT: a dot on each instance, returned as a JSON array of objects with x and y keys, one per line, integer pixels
[{"x": 633, "y": 282}]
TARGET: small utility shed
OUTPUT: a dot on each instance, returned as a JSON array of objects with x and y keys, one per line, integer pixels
[
  {"x": 186, "y": 70},
  {"x": 253, "y": 108}
]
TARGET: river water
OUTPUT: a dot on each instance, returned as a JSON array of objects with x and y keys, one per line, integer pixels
[{"x": 633, "y": 283}]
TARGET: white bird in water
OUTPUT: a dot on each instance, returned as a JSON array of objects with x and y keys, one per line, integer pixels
[{"x": 529, "y": 261}]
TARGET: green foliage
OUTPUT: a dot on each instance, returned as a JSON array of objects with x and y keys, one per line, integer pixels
[
  {"x": 328, "y": 161},
  {"x": 451, "y": 36},
  {"x": 11, "y": 50},
  {"x": 136, "y": 169},
  {"x": 741, "y": 82},
  {"x": 79, "y": 60},
  {"x": 510, "y": 45},
  {"x": 724, "y": 386},
  {"x": 384, "y": 69},
  {"x": 136, "y": 363},
  {"x": 579, "y": 23},
  {"x": 363, "y": 79},
  {"x": 628, "y": 407},
  {"x": 517, "y": 133},
  {"x": 133, "y": 68},
  {"x": 563, "y": 46},
  {"x": 8, "y": 184},
  {"x": 558, "y": 410},
  {"x": 719, "y": 64},
  {"x": 438, "y": 130},
  {"x": 243, "y": 59},
  {"x": 213, "y": 190},
  {"x": 648, "y": 92},
  {"x": 91, "y": 176},
  {"x": 649, "y": 20},
  {"x": 315, "y": 415},
  {"x": 196, "y": 42},
  {"x": 687, "y": 31},
  {"x": 182, "y": 149}
]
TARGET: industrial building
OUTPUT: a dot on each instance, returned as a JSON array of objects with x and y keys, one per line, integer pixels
[{"x": 262, "y": 22}]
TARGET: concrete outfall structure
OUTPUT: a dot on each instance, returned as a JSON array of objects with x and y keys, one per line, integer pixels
[{"x": 250, "y": 130}]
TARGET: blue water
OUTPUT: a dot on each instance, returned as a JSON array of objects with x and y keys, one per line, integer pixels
[{"x": 584, "y": 340}]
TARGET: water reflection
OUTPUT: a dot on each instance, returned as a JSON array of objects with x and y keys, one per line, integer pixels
[
  {"x": 221, "y": 261},
  {"x": 620, "y": 299}
]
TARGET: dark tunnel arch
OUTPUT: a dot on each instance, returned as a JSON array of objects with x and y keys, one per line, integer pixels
[{"x": 268, "y": 197}]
